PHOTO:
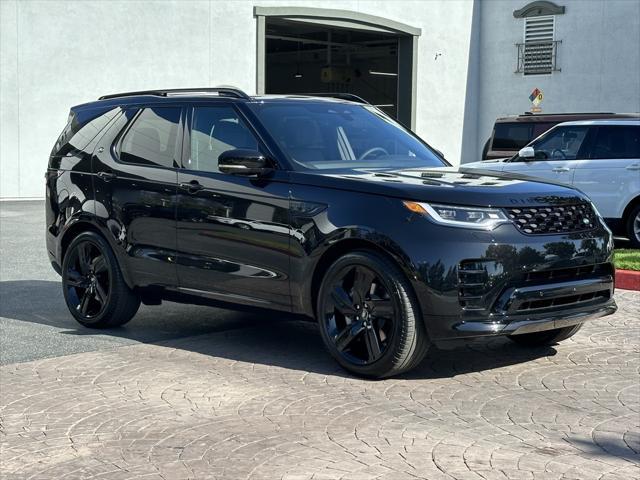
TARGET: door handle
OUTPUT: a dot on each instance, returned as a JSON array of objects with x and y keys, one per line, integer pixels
[
  {"x": 192, "y": 187},
  {"x": 561, "y": 169},
  {"x": 635, "y": 166},
  {"x": 106, "y": 176}
]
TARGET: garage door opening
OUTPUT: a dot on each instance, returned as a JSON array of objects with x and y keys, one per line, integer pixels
[{"x": 311, "y": 57}]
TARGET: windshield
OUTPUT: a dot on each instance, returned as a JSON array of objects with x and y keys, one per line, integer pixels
[{"x": 328, "y": 135}]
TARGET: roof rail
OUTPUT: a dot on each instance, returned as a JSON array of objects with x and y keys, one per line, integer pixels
[
  {"x": 342, "y": 96},
  {"x": 528, "y": 114},
  {"x": 227, "y": 91}
]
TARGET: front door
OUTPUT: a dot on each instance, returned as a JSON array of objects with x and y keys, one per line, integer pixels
[
  {"x": 555, "y": 155},
  {"x": 135, "y": 181},
  {"x": 233, "y": 231}
]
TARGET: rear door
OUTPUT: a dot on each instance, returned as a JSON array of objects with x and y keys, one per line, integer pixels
[
  {"x": 556, "y": 155},
  {"x": 233, "y": 231},
  {"x": 610, "y": 174},
  {"x": 135, "y": 181}
]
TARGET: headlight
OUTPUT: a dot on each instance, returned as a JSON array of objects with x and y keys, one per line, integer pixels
[{"x": 455, "y": 216}]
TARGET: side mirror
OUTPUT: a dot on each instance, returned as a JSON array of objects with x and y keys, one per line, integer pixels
[
  {"x": 244, "y": 162},
  {"x": 527, "y": 153}
]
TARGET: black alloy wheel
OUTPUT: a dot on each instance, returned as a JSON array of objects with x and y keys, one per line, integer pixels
[
  {"x": 87, "y": 280},
  {"x": 92, "y": 283},
  {"x": 368, "y": 318},
  {"x": 360, "y": 314}
]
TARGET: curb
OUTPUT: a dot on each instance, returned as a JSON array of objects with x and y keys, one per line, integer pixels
[{"x": 628, "y": 279}]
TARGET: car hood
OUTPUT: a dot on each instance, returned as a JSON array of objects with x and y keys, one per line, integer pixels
[{"x": 451, "y": 185}]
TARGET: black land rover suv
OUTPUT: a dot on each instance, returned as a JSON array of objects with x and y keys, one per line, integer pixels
[{"x": 324, "y": 207}]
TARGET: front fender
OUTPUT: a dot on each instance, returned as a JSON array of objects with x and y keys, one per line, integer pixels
[{"x": 326, "y": 228}]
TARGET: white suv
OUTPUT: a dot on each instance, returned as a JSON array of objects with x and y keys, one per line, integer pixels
[{"x": 599, "y": 157}]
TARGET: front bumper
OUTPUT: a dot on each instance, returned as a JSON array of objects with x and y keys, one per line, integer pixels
[
  {"x": 548, "y": 321},
  {"x": 503, "y": 282}
]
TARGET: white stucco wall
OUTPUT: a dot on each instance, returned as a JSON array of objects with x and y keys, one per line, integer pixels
[
  {"x": 55, "y": 54},
  {"x": 599, "y": 57}
]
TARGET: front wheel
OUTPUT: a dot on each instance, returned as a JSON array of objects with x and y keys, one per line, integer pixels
[
  {"x": 368, "y": 317},
  {"x": 545, "y": 338},
  {"x": 93, "y": 287}
]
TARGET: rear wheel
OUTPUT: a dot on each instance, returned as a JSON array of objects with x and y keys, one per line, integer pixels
[
  {"x": 547, "y": 337},
  {"x": 93, "y": 287},
  {"x": 368, "y": 318},
  {"x": 633, "y": 227}
]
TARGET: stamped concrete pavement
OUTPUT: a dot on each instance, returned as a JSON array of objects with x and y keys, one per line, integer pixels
[{"x": 258, "y": 398}]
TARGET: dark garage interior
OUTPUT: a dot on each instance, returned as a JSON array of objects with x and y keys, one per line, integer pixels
[{"x": 309, "y": 57}]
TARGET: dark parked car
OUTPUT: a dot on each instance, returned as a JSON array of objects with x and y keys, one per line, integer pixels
[
  {"x": 512, "y": 133},
  {"x": 316, "y": 206}
]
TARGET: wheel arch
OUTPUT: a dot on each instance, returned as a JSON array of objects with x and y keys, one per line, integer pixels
[
  {"x": 348, "y": 245},
  {"x": 630, "y": 206},
  {"x": 72, "y": 232},
  {"x": 85, "y": 225}
]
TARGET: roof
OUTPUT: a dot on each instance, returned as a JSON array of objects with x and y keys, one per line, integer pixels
[
  {"x": 559, "y": 117},
  {"x": 617, "y": 121},
  {"x": 210, "y": 93}
]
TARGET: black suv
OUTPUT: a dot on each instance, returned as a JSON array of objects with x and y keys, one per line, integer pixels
[{"x": 324, "y": 207}]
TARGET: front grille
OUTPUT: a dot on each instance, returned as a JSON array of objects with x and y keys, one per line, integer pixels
[
  {"x": 555, "y": 219},
  {"x": 570, "y": 273},
  {"x": 564, "y": 301},
  {"x": 558, "y": 288}
]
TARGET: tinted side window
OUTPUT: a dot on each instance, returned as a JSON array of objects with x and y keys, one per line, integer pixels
[
  {"x": 617, "y": 141},
  {"x": 540, "y": 128},
  {"x": 77, "y": 136},
  {"x": 153, "y": 138},
  {"x": 563, "y": 143},
  {"x": 511, "y": 136},
  {"x": 216, "y": 130}
]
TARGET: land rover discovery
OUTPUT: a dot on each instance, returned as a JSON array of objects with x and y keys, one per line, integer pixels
[{"x": 324, "y": 207}]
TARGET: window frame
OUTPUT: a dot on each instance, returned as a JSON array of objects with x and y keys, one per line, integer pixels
[
  {"x": 554, "y": 46},
  {"x": 538, "y": 18},
  {"x": 116, "y": 147},
  {"x": 189, "y": 117}
]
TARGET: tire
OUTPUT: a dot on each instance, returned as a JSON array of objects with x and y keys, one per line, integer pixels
[
  {"x": 632, "y": 224},
  {"x": 93, "y": 286},
  {"x": 368, "y": 317},
  {"x": 545, "y": 338}
]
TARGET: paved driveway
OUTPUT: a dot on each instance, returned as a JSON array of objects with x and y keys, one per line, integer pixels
[{"x": 189, "y": 392}]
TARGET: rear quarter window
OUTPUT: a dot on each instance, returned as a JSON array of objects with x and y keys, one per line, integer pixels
[
  {"x": 616, "y": 142},
  {"x": 80, "y": 131}
]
